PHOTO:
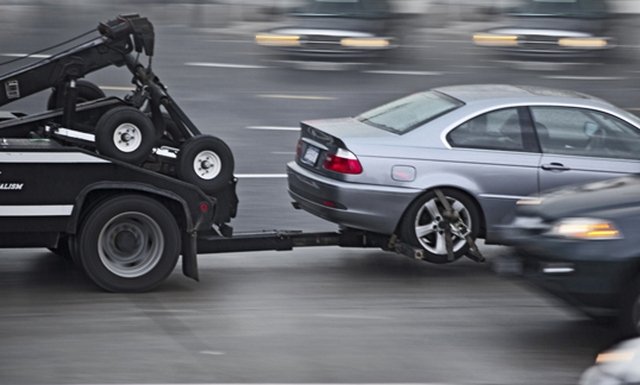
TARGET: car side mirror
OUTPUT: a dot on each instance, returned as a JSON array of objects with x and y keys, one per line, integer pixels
[{"x": 590, "y": 129}]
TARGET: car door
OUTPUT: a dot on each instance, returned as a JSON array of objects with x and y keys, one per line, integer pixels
[
  {"x": 498, "y": 151},
  {"x": 581, "y": 145}
]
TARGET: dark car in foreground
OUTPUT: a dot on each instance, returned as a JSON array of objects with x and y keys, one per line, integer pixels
[
  {"x": 552, "y": 28},
  {"x": 333, "y": 30},
  {"x": 483, "y": 146},
  {"x": 581, "y": 244}
]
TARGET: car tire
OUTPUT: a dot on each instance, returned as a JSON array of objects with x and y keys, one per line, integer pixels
[
  {"x": 86, "y": 91},
  {"x": 129, "y": 243},
  {"x": 630, "y": 313},
  {"x": 207, "y": 162},
  {"x": 126, "y": 134},
  {"x": 422, "y": 225}
]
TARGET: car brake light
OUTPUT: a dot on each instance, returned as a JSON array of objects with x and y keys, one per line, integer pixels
[
  {"x": 299, "y": 149},
  {"x": 343, "y": 161}
]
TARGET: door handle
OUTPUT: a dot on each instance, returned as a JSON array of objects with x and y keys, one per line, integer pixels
[{"x": 555, "y": 166}]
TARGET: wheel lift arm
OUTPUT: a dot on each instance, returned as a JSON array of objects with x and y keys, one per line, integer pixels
[{"x": 287, "y": 240}]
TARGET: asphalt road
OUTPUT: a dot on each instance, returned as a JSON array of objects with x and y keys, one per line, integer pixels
[{"x": 310, "y": 315}]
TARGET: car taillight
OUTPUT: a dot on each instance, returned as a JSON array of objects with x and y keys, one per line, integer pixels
[
  {"x": 343, "y": 161},
  {"x": 299, "y": 149}
]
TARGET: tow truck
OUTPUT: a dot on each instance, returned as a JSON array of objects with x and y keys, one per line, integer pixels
[{"x": 124, "y": 186}]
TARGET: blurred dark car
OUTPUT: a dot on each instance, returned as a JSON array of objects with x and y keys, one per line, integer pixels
[
  {"x": 334, "y": 29},
  {"x": 617, "y": 366},
  {"x": 582, "y": 244},
  {"x": 543, "y": 28}
]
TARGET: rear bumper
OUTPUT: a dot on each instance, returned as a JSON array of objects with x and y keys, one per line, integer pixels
[{"x": 360, "y": 206}]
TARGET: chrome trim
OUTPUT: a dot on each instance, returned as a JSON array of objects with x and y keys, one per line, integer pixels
[
  {"x": 49, "y": 157},
  {"x": 316, "y": 144},
  {"x": 75, "y": 134},
  {"x": 36, "y": 211},
  {"x": 451, "y": 127},
  {"x": 498, "y": 196}
]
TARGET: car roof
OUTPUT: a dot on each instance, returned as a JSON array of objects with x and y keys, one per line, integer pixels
[{"x": 516, "y": 93}]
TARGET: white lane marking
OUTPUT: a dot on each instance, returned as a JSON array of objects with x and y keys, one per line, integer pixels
[
  {"x": 557, "y": 63},
  {"x": 230, "y": 41},
  {"x": 225, "y": 65},
  {"x": 409, "y": 73},
  {"x": 633, "y": 109},
  {"x": 296, "y": 97},
  {"x": 353, "y": 316},
  {"x": 570, "y": 77},
  {"x": 473, "y": 67},
  {"x": 283, "y": 152},
  {"x": 260, "y": 176},
  {"x": 291, "y": 383},
  {"x": 273, "y": 128},
  {"x": 117, "y": 88},
  {"x": 36, "y": 56},
  {"x": 212, "y": 353}
]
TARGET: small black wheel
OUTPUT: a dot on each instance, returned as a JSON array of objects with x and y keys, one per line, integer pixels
[
  {"x": 630, "y": 313},
  {"x": 207, "y": 162},
  {"x": 86, "y": 91},
  {"x": 129, "y": 243},
  {"x": 423, "y": 226},
  {"x": 125, "y": 133}
]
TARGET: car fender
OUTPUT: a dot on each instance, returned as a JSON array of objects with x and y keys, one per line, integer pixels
[
  {"x": 189, "y": 252},
  {"x": 455, "y": 182}
]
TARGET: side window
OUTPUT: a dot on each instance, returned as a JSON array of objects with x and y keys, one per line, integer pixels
[
  {"x": 584, "y": 132},
  {"x": 496, "y": 130}
]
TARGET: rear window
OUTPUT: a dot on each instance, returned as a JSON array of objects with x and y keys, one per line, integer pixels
[{"x": 403, "y": 115}]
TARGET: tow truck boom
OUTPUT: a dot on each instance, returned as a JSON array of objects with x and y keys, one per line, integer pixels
[{"x": 119, "y": 38}]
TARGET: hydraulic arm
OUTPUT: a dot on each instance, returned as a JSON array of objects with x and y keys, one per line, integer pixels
[{"x": 118, "y": 39}]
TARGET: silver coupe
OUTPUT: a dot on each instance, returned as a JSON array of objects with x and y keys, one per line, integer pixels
[{"x": 484, "y": 146}]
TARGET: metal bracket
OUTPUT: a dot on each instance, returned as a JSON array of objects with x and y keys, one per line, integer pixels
[
  {"x": 455, "y": 225},
  {"x": 405, "y": 249}
]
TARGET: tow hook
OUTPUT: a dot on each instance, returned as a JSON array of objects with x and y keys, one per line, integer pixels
[
  {"x": 453, "y": 225},
  {"x": 405, "y": 249}
]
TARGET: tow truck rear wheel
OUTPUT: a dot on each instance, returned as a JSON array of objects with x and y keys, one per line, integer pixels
[
  {"x": 86, "y": 91},
  {"x": 205, "y": 161},
  {"x": 129, "y": 243},
  {"x": 125, "y": 133}
]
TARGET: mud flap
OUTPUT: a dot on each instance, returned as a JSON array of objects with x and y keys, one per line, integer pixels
[{"x": 190, "y": 255}]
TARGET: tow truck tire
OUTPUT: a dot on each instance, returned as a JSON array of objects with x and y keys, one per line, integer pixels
[
  {"x": 424, "y": 216},
  {"x": 86, "y": 91},
  {"x": 125, "y": 133},
  {"x": 129, "y": 243},
  {"x": 205, "y": 161}
]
